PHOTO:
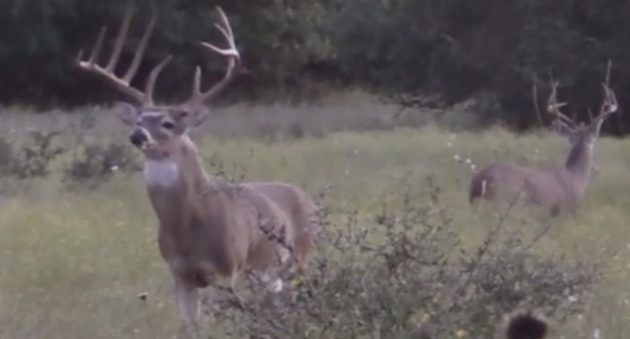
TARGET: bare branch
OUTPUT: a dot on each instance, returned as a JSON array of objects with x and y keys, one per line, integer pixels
[{"x": 535, "y": 101}]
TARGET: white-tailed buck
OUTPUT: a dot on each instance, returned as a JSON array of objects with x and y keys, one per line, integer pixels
[
  {"x": 559, "y": 188},
  {"x": 211, "y": 231}
]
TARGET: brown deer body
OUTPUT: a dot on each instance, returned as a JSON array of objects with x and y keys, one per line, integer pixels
[
  {"x": 559, "y": 188},
  {"x": 211, "y": 230}
]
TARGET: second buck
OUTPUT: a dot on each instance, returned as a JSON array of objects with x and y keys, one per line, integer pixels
[
  {"x": 211, "y": 231},
  {"x": 559, "y": 188}
]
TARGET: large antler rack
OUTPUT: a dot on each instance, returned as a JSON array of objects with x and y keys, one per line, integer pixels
[
  {"x": 123, "y": 84},
  {"x": 609, "y": 105}
]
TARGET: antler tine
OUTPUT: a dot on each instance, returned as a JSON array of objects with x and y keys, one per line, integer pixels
[
  {"x": 123, "y": 84},
  {"x": 198, "y": 96},
  {"x": 120, "y": 39},
  {"x": 142, "y": 46},
  {"x": 610, "y": 104},
  {"x": 97, "y": 47},
  {"x": 155, "y": 72},
  {"x": 226, "y": 29},
  {"x": 553, "y": 106},
  {"x": 197, "y": 82},
  {"x": 559, "y": 124}
]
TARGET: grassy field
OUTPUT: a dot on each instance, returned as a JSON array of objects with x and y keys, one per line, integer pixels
[{"x": 74, "y": 260}]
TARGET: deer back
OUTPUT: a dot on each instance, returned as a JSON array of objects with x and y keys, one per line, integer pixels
[
  {"x": 508, "y": 181},
  {"x": 299, "y": 211},
  {"x": 554, "y": 188}
]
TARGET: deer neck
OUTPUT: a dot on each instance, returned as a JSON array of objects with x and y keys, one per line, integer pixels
[
  {"x": 579, "y": 164},
  {"x": 176, "y": 181}
]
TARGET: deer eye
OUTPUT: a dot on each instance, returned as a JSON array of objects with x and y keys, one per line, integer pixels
[{"x": 168, "y": 125}]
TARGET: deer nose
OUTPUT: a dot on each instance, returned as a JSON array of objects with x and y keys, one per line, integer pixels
[{"x": 138, "y": 138}]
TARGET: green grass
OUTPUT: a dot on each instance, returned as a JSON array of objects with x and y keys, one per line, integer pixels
[{"x": 73, "y": 261}]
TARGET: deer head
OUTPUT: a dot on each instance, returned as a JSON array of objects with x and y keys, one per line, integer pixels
[{"x": 154, "y": 127}]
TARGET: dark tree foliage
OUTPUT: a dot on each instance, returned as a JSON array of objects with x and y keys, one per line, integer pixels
[
  {"x": 455, "y": 48},
  {"x": 39, "y": 41}
]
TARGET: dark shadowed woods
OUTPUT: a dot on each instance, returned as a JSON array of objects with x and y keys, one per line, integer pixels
[{"x": 444, "y": 51}]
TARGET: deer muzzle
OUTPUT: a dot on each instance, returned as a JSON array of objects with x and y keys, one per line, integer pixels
[{"x": 139, "y": 138}]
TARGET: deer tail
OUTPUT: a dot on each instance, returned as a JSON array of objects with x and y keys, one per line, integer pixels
[{"x": 477, "y": 187}]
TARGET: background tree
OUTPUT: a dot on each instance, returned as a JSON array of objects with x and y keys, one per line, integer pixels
[{"x": 454, "y": 48}]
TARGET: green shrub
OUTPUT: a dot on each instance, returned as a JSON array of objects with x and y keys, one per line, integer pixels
[
  {"x": 97, "y": 163},
  {"x": 406, "y": 275},
  {"x": 34, "y": 159}
]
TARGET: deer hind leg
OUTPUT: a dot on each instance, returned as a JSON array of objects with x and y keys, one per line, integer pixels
[{"x": 305, "y": 241}]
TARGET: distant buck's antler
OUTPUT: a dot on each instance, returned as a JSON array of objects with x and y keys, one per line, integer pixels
[{"x": 553, "y": 107}]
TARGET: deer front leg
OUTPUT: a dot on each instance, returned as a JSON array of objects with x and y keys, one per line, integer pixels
[{"x": 187, "y": 298}]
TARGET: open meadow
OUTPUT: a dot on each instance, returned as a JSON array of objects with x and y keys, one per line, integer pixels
[{"x": 78, "y": 243}]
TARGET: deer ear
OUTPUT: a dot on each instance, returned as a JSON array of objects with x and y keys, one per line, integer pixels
[
  {"x": 190, "y": 117},
  {"x": 196, "y": 116},
  {"x": 561, "y": 128},
  {"x": 126, "y": 113}
]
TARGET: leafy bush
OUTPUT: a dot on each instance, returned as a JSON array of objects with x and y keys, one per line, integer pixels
[
  {"x": 406, "y": 275},
  {"x": 34, "y": 159},
  {"x": 97, "y": 162}
]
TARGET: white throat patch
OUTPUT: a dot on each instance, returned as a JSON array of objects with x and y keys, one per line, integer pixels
[{"x": 160, "y": 173}]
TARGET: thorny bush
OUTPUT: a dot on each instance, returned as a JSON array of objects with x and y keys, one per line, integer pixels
[{"x": 405, "y": 274}]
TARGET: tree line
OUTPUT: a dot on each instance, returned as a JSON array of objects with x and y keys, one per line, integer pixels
[{"x": 495, "y": 51}]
